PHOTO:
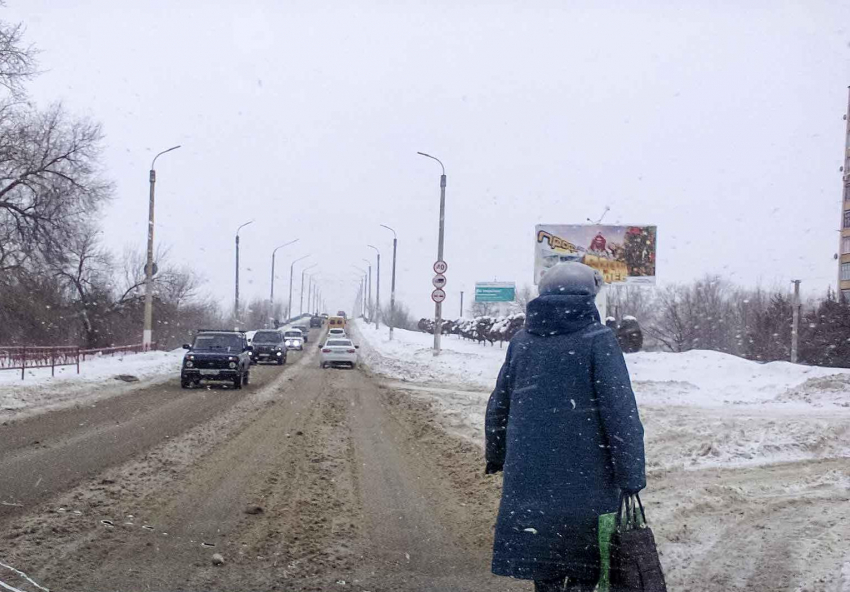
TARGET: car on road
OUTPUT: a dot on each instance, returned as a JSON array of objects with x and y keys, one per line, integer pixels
[
  {"x": 305, "y": 330},
  {"x": 336, "y": 352},
  {"x": 337, "y": 332},
  {"x": 221, "y": 356},
  {"x": 293, "y": 339},
  {"x": 268, "y": 346},
  {"x": 316, "y": 321}
]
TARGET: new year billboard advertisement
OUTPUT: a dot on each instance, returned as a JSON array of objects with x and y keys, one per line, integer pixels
[{"x": 622, "y": 254}]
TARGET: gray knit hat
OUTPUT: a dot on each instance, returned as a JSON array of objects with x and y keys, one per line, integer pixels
[{"x": 571, "y": 277}]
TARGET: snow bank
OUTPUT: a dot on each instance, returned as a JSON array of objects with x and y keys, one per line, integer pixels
[
  {"x": 700, "y": 408},
  {"x": 704, "y": 378},
  {"x": 40, "y": 390}
]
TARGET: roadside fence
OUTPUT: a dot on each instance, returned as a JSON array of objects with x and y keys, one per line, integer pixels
[{"x": 23, "y": 357}]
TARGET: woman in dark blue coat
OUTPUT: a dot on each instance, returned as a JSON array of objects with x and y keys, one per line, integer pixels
[{"x": 563, "y": 425}]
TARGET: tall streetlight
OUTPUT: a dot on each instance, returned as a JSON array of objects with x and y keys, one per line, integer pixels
[
  {"x": 378, "y": 286},
  {"x": 392, "y": 292},
  {"x": 236, "y": 300},
  {"x": 271, "y": 294},
  {"x": 363, "y": 283},
  {"x": 291, "y": 272},
  {"x": 301, "y": 291},
  {"x": 369, "y": 267},
  {"x": 310, "y": 277},
  {"x": 438, "y": 306},
  {"x": 147, "y": 333}
]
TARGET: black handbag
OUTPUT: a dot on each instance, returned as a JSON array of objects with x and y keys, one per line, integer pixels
[{"x": 635, "y": 566}]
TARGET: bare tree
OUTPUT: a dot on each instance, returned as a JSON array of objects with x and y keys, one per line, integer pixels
[
  {"x": 50, "y": 181},
  {"x": 17, "y": 61},
  {"x": 86, "y": 270}
]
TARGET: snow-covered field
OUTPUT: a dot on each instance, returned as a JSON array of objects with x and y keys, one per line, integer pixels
[{"x": 701, "y": 408}]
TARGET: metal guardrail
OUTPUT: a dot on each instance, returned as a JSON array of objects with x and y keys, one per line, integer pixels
[{"x": 23, "y": 357}]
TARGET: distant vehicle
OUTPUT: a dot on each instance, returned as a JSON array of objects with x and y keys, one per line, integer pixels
[
  {"x": 339, "y": 352},
  {"x": 340, "y": 313},
  {"x": 337, "y": 332},
  {"x": 293, "y": 339},
  {"x": 268, "y": 346},
  {"x": 305, "y": 329},
  {"x": 336, "y": 322},
  {"x": 324, "y": 315},
  {"x": 316, "y": 321},
  {"x": 218, "y": 356}
]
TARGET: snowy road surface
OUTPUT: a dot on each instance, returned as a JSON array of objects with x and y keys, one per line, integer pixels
[{"x": 316, "y": 479}]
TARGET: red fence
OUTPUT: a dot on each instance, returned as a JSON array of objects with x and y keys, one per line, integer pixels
[{"x": 21, "y": 357}]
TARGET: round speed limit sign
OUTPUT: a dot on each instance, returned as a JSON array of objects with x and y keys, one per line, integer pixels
[{"x": 441, "y": 267}]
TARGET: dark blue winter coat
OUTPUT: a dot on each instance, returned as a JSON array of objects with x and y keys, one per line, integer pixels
[{"x": 564, "y": 425}]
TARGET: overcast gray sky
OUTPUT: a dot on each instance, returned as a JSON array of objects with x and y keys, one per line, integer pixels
[{"x": 721, "y": 124}]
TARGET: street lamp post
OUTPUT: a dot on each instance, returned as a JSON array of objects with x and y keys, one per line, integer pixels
[
  {"x": 438, "y": 306},
  {"x": 363, "y": 283},
  {"x": 378, "y": 286},
  {"x": 301, "y": 290},
  {"x": 271, "y": 294},
  {"x": 147, "y": 333},
  {"x": 392, "y": 289},
  {"x": 291, "y": 272},
  {"x": 369, "y": 308},
  {"x": 236, "y": 300}
]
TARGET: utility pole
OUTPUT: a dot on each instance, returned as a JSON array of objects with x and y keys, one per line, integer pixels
[
  {"x": 301, "y": 291},
  {"x": 461, "y": 304},
  {"x": 236, "y": 300},
  {"x": 438, "y": 306},
  {"x": 378, "y": 300},
  {"x": 795, "y": 323},
  {"x": 369, "y": 308},
  {"x": 147, "y": 332},
  {"x": 844, "y": 233},
  {"x": 291, "y": 272},
  {"x": 392, "y": 293}
]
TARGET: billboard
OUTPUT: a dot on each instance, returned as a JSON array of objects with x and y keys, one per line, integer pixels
[
  {"x": 622, "y": 254},
  {"x": 495, "y": 291}
]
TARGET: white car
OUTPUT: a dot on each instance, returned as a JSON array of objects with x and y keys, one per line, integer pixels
[
  {"x": 293, "y": 339},
  {"x": 337, "y": 352},
  {"x": 337, "y": 334}
]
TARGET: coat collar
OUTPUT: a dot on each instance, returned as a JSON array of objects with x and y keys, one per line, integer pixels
[{"x": 560, "y": 314}]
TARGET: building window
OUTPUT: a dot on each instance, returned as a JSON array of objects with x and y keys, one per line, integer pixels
[
  {"x": 845, "y": 294},
  {"x": 845, "y": 271},
  {"x": 847, "y": 219},
  {"x": 845, "y": 245}
]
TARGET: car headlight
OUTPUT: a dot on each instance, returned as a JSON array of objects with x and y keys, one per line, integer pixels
[
  {"x": 232, "y": 359},
  {"x": 189, "y": 363},
  {"x": 280, "y": 354},
  {"x": 232, "y": 364}
]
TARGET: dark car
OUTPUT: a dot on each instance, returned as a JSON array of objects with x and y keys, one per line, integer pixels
[
  {"x": 219, "y": 356},
  {"x": 305, "y": 330},
  {"x": 267, "y": 346},
  {"x": 316, "y": 321}
]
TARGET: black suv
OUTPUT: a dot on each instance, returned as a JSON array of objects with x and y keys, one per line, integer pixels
[
  {"x": 316, "y": 321},
  {"x": 216, "y": 355},
  {"x": 267, "y": 346}
]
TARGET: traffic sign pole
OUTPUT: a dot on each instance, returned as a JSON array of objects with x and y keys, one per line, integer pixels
[{"x": 438, "y": 307}]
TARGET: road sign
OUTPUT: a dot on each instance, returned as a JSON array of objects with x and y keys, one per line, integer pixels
[
  {"x": 438, "y": 295},
  {"x": 495, "y": 292},
  {"x": 441, "y": 267},
  {"x": 439, "y": 281}
]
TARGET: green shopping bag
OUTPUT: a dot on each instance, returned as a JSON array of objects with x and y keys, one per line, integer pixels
[{"x": 607, "y": 527}]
